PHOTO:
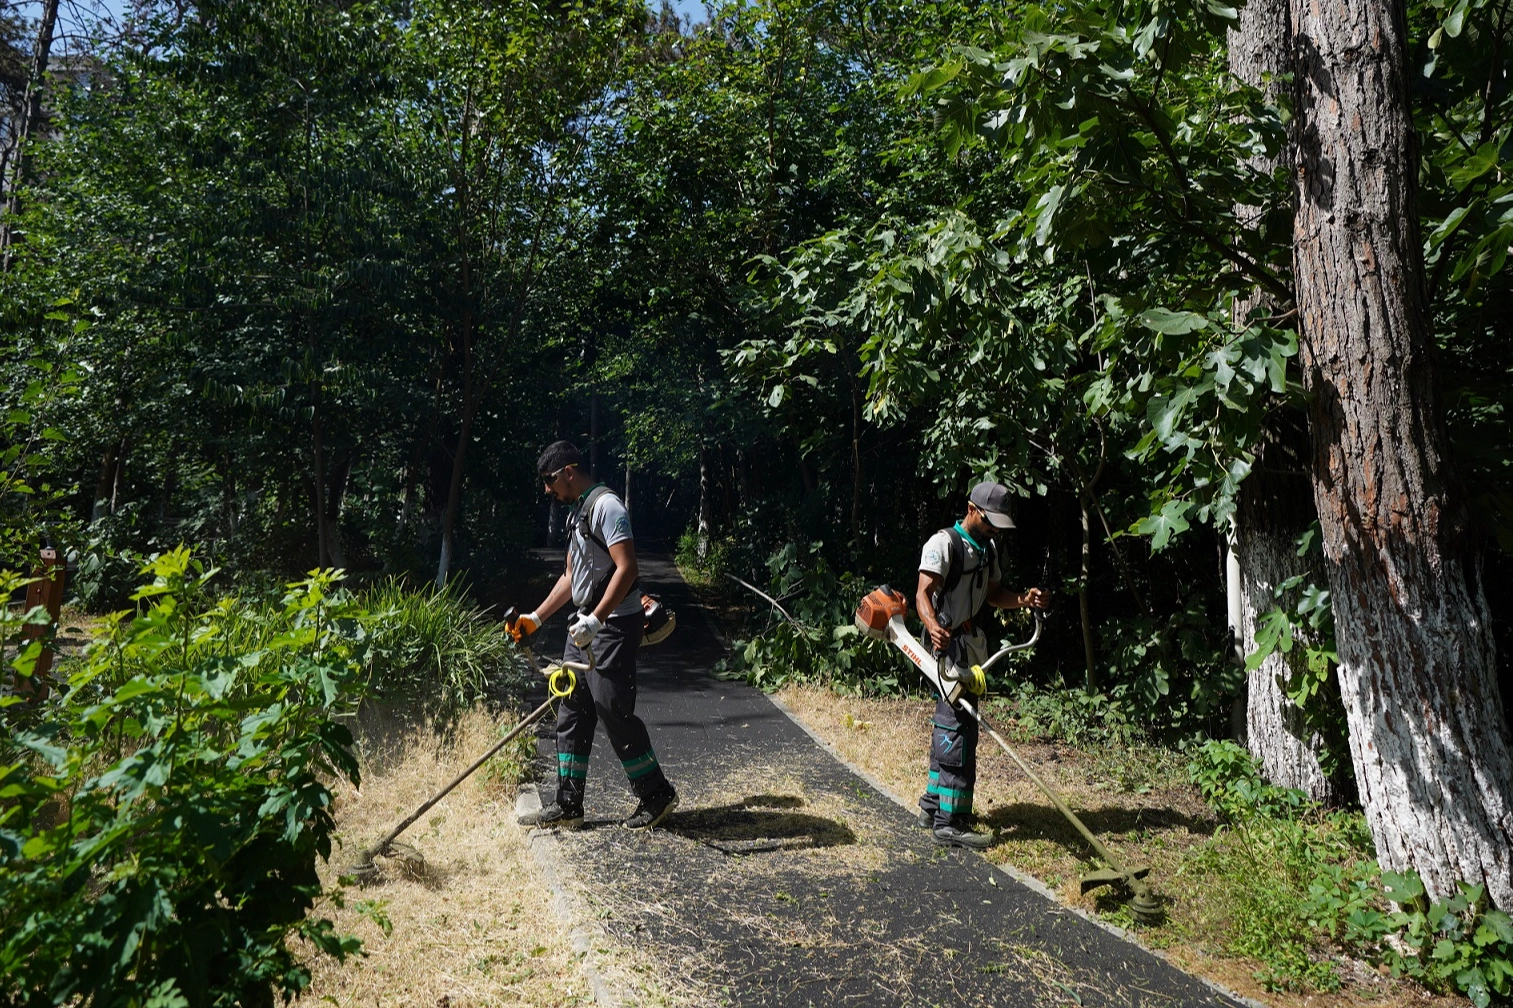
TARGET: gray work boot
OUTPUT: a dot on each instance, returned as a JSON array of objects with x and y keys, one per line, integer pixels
[{"x": 652, "y": 810}]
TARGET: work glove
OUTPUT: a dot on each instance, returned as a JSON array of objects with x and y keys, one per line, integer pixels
[
  {"x": 523, "y": 626},
  {"x": 584, "y": 629}
]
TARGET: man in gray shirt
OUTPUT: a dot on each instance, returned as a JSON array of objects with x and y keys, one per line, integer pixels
[
  {"x": 600, "y": 580},
  {"x": 959, "y": 577}
]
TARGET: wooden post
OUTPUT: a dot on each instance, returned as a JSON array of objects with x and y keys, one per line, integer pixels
[{"x": 46, "y": 591}]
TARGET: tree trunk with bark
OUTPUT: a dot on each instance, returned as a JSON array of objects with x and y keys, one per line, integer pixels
[
  {"x": 1417, "y": 666},
  {"x": 105, "y": 485},
  {"x": 1274, "y": 509},
  {"x": 31, "y": 125},
  {"x": 706, "y": 506},
  {"x": 336, "y": 496}
]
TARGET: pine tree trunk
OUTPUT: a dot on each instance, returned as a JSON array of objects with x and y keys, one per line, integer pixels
[{"x": 1417, "y": 664}]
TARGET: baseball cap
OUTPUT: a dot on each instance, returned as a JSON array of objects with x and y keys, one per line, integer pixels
[{"x": 993, "y": 500}]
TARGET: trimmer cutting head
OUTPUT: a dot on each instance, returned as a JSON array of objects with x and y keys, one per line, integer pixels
[
  {"x": 1143, "y": 905},
  {"x": 367, "y": 870}
]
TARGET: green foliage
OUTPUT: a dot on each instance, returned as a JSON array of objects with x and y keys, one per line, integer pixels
[
  {"x": 705, "y": 569},
  {"x": 1304, "y": 876},
  {"x": 1459, "y": 943},
  {"x": 432, "y": 646},
  {"x": 1230, "y": 780},
  {"x": 818, "y": 641},
  {"x": 32, "y": 491},
  {"x": 1276, "y": 844},
  {"x": 1172, "y": 673},
  {"x": 1071, "y": 715},
  {"x": 161, "y": 818}
]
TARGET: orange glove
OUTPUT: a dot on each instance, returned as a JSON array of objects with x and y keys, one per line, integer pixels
[{"x": 523, "y": 626}]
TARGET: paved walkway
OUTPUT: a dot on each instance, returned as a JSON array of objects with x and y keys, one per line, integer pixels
[{"x": 786, "y": 879}]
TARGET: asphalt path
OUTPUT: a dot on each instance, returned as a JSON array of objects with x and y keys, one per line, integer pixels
[{"x": 786, "y": 879}]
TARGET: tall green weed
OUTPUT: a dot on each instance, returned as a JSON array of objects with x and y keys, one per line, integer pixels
[
  {"x": 433, "y": 647},
  {"x": 161, "y": 814}
]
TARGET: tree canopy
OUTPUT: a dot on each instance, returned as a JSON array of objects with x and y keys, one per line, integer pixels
[{"x": 310, "y": 284}]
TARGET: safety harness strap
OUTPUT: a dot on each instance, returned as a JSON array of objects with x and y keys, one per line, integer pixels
[{"x": 583, "y": 520}]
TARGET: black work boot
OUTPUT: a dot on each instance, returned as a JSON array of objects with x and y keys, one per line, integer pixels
[
  {"x": 955, "y": 836},
  {"x": 652, "y": 809},
  {"x": 555, "y": 816}
]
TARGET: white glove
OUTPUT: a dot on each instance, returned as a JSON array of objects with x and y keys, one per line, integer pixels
[{"x": 584, "y": 629}]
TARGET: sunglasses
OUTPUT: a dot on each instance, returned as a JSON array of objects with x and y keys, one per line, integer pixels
[{"x": 548, "y": 479}]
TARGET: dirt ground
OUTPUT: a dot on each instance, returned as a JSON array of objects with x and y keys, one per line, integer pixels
[
  {"x": 474, "y": 926},
  {"x": 1139, "y": 803}
]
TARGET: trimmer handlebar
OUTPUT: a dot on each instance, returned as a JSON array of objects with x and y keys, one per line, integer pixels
[
  {"x": 510, "y": 615},
  {"x": 1039, "y": 622}
]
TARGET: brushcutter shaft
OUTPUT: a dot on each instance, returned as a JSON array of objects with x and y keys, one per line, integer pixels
[
  {"x": 1045, "y": 788},
  {"x": 530, "y": 719}
]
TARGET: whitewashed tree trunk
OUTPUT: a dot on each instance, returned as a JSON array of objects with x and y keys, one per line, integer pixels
[
  {"x": 1277, "y": 733},
  {"x": 1417, "y": 664}
]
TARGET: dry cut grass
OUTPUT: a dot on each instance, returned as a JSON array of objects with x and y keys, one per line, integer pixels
[
  {"x": 1139, "y": 803},
  {"x": 474, "y": 925}
]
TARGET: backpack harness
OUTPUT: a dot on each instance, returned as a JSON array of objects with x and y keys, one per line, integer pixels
[
  {"x": 582, "y": 520},
  {"x": 957, "y": 567}
]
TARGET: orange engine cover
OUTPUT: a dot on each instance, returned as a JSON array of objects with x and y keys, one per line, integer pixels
[{"x": 880, "y": 606}]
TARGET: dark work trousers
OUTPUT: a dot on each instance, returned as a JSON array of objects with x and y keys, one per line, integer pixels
[
  {"x": 608, "y": 694},
  {"x": 953, "y": 757}
]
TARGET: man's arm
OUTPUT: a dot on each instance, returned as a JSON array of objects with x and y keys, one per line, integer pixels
[
  {"x": 929, "y": 584},
  {"x": 1030, "y": 598},
  {"x": 560, "y": 595},
  {"x": 623, "y": 553}
]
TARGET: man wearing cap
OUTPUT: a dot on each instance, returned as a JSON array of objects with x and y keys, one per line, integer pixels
[
  {"x": 960, "y": 574},
  {"x": 600, "y": 580}
]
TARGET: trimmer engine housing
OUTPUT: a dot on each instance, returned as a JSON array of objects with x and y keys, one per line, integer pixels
[{"x": 875, "y": 611}]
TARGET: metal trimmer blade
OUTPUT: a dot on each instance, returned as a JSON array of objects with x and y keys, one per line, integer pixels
[
  {"x": 367, "y": 870},
  {"x": 1144, "y": 906}
]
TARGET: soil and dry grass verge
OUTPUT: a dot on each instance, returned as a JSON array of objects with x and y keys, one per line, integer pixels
[
  {"x": 1137, "y": 800},
  {"x": 474, "y": 926}
]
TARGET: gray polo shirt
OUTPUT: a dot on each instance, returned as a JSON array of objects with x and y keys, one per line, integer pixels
[{"x": 607, "y": 517}]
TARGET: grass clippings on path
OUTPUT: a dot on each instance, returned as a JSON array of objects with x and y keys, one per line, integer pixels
[
  {"x": 1138, "y": 801},
  {"x": 475, "y": 926}
]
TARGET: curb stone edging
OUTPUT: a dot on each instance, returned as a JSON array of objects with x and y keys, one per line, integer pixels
[
  {"x": 1028, "y": 881},
  {"x": 544, "y": 846}
]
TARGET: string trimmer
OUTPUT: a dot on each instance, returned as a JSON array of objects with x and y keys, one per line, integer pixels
[
  {"x": 881, "y": 617},
  {"x": 561, "y": 680}
]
